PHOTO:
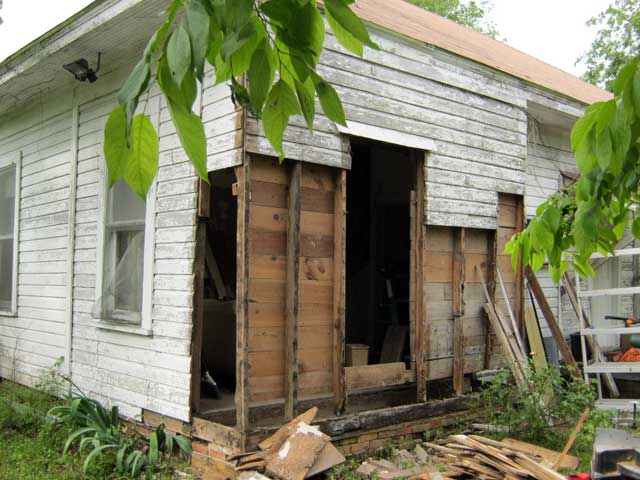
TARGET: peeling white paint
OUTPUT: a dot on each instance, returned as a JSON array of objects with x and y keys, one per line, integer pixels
[
  {"x": 306, "y": 429},
  {"x": 284, "y": 451}
]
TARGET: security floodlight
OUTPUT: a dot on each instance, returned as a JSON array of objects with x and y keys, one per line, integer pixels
[{"x": 81, "y": 71}]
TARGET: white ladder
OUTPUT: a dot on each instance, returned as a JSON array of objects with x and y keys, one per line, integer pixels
[{"x": 601, "y": 366}]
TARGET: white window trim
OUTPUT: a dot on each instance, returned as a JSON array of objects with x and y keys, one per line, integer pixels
[
  {"x": 146, "y": 326},
  {"x": 9, "y": 161}
]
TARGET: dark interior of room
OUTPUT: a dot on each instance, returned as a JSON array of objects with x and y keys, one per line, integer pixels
[{"x": 379, "y": 187}]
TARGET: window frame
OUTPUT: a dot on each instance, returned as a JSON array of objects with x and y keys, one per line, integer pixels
[
  {"x": 126, "y": 321},
  {"x": 7, "y": 162}
]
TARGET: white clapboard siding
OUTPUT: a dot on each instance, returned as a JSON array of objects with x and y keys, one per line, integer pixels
[
  {"x": 34, "y": 339},
  {"x": 130, "y": 370},
  {"x": 223, "y": 125}
]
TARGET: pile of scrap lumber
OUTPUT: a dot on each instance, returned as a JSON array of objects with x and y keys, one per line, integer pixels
[
  {"x": 473, "y": 456},
  {"x": 296, "y": 451}
]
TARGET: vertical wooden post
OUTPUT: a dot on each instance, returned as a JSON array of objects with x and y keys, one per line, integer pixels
[
  {"x": 491, "y": 287},
  {"x": 203, "y": 211},
  {"x": 412, "y": 279},
  {"x": 518, "y": 306},
  {"x": 243, "y": 174},
  {"x": 292, "y": 298},
  {"x": 339, "y": 269},
  {"x": 422, "y": 326},
  {"x": 458, "y": 311}
]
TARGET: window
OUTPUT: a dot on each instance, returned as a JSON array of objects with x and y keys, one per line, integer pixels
[
  {"x": 125, "y": 259},
  {"x": 9, "y": 208}
]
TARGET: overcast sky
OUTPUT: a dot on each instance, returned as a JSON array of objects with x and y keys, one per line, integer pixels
[{"x": 552, "y": 30}]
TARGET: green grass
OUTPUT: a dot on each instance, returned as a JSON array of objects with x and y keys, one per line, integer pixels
[{"x": 31, "y": 446}]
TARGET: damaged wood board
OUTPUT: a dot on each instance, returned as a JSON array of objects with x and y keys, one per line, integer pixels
[
  {"x": 548, "y": 457},
  {"x": 474, "y": 456},
  {"x": 298, "y": 453}
]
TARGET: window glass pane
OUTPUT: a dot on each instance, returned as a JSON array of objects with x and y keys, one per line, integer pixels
[
  {"x": 6, "y": 273},
  {"x": 126, "y": 205},
  {"x": 7, "y": 213},
  {"x": 127, "y": 284},
  {"x": 7, "y": 200}
]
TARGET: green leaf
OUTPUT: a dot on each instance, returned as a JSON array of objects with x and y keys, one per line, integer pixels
[
  {"x": 153, "y": 448},
  {"x": 541, "y": 236},
  {"x": 306, "y": 98},
  {"x": 135, "y": 83},
  {"x": 158, "y": 37},
  {"x": 198, "y": 26},
  {"x": 551, "y": 217},
  {"x": 192, "y": 137},
  {"x": 143, "y": 161},
  {"x": 305, "y": 34},
  {"x": 585, "y": 226},
  {"x": 329, "y": 100},
  {"x": 604, "y": 149},
  {"x": 235, "y": 40},
  {"x": 261, "y": 74},
  {"x": 635, "y": 227},
  {"x": 116, "y": 151},
  {"x": 582, "y": 128},
  {"x": 622, "y": 79},
  {"x": 183, "y": 443},
  {"x": 343, "y": 36},
  {"x": 94, "y": 453},
  {"x": 281, "y": 103},
  {"x": 349, "y": 21},
  {"x": 585, "y": 156},
  {"x": 179, "y": 54},
  {"x": 635, "y": 91},
  {"x": 280, "y": 11}
]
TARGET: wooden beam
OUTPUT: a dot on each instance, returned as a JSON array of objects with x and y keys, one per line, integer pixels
[
  {"x": 422, "y": 327},
  {"x": 292, "y": 298},
  {"x": 243, "y": 174},
  {"x": 339, "y": 269},
  {"x": 375, "y": 376},
  {"x": 551, "y": 320},
  {"x": 491, "y": 287},
  {"x": 198, "y": 316},
  {"x": 518, "y": 304},
  {"x": 203, "y": 211},
  {"x": 458, "y": 310}
]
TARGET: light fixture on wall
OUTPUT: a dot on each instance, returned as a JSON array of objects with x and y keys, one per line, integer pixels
[{"x": 81, "y": 71}]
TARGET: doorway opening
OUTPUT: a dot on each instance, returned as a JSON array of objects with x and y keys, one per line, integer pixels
[
  {"x": 378, "y": 264},
  {"x": 218, "y": 350}
]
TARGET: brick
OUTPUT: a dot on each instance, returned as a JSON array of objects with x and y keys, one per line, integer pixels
[
  {"x": 360, "y": 447},
  {"x": 374, "y": 444},
  {"x": 200, "y": 447},
  {"x": 367, "y": 437},
  {"x": 406, "y": 430},
  {"x": 347, "y": 441}
]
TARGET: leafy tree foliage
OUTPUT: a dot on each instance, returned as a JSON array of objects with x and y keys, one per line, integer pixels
[
  {"x": 592, "y": 215},
  {"x": 268, "y": 51},
  {"x": 615, "y": 44},
  {"x": 471, "y": 14}
]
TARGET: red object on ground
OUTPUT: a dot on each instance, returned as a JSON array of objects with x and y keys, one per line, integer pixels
[{"x": 579, "y": 476}]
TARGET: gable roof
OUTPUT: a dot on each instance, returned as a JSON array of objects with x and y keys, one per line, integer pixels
[{"x": 424, "y": 26}]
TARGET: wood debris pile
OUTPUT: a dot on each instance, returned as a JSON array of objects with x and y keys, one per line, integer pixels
[
  {"x": 296, "y": 451},
  {"x": 472, "y": 456}
]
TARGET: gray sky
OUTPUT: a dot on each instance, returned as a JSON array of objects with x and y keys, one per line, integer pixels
[{"x": 552, "y": 30}]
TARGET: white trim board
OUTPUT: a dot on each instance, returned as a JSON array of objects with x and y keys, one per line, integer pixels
[
  {"x": 395, "y": 137},
  {"x": 7, "y": 161}
]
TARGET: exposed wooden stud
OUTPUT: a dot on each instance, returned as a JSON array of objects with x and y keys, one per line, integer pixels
[
  {"x": 412, "y": 280},
  {"x": 339, "y": 286},
  {"x": 422, "y": 327},
  {"x": 458, "y": 311},
  {"x": 518, "y": 304},
  {"x": 204, "y": 199},
  {"x": 551, "y": 320},
  {"x": 203, "y": 211},
  {"x": 292, "y": 298},
  {"x": 198, "y": 316},
  {"x": 491, "y": 287},
  {"x": 243, "y": 174}
]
